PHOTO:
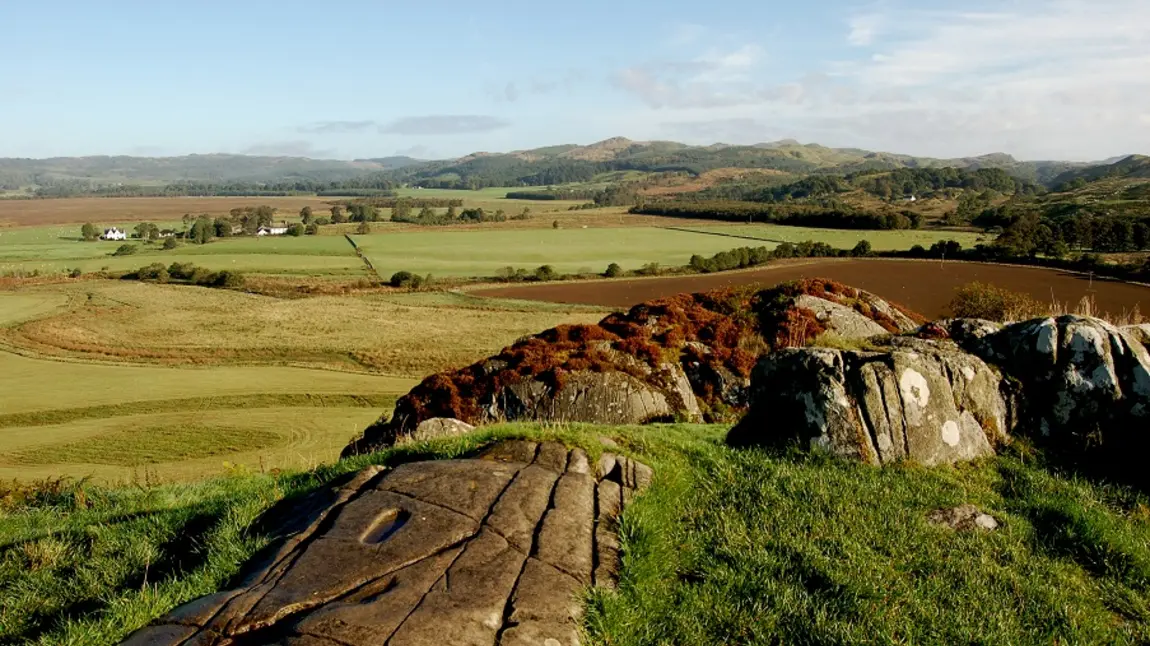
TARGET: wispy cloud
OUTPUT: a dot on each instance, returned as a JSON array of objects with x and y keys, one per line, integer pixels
[
  {"x": 336, "y": 127},
  {"x": 294, "y": 148},
  {"x": 715, "y": 78},
  {"x": 1039, "y": 78},
  {"x": 444, "y": 124}
]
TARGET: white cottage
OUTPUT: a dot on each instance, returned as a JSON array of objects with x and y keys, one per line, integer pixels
[
  {"x": 114, "y": 234},
  {"x": 273, "y": 230}
]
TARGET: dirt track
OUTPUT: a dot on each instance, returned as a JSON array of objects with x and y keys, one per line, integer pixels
[{"x": 923, "y": 286}]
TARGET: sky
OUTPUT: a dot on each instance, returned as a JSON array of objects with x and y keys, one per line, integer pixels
[{"x": 1039, "y": 79}]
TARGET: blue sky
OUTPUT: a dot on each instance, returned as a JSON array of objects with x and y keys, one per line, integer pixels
[{"x": 1065, "y": 79}]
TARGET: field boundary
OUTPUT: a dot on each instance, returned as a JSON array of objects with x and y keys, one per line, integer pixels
[
  {"x": 725, "y": 235},
  {"x": 359, "y": 252}
]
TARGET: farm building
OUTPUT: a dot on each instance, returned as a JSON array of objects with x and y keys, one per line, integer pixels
[
  {"x": 114, "y": 234},
  {"x": 273, "y": 230}
]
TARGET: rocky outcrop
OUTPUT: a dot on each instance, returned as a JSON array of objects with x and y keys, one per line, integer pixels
[
  {"x": 688, "y": 357},
  {"x": 496, "y": 550},
  {"x": 924, "y": 401},
  {"x": 437, "y": 427},
  {"x": 1086, "y": 383},
  {"x": 956, "y": 388}
]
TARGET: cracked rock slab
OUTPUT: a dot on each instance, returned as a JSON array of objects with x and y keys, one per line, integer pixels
[{"x": 496, "y": 550}]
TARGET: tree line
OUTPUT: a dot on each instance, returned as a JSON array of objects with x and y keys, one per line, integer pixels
[{"x": 834, "y": 216}]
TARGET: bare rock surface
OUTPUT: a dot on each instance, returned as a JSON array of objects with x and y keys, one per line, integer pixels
[
  {"x": 437, "y": 427},
  {"x": 924, "y": 401},
  {"x": 963, "y": 518},
  {"x": 488, "y": 551}
]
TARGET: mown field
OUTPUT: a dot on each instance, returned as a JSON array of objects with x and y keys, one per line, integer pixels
[{"x": 123, "y": 380}]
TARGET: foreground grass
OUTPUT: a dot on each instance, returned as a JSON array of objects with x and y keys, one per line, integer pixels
[{"x": 726, "y": 547}]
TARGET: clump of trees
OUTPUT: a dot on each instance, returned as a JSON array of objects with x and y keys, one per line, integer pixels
[
  {"x": 408, "y": 280},
  {"x": 126, "y": 250},
  {"x": 189, "y": 274}
]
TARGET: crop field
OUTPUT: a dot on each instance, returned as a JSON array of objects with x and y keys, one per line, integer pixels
[{"x": 923, "y": 286}]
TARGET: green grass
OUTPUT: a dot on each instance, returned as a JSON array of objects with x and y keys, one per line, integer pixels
[
  {"x": 55, "y": 249},
  {"x": 29, "y": 385},
  {"x": 17, "y": 307},
  {"x": 746, "y": 547},
  {"x": 482, "y": 253},
  {"x": 842, "y": 239}
]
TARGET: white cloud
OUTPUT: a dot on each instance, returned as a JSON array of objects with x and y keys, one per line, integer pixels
[{"x": 1036, "y": 78}]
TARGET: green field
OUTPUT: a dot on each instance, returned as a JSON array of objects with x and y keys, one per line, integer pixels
[
  {"x": 17, "y": 307},
  {"x": 56, "y": 249},
  {"x": 181, "y": 445},
  {"x": 483, "y": 253},
  {"x": 110, "y": 421},
  {"x": 840, "y": 238}
]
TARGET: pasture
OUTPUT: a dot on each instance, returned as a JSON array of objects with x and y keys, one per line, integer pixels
[
  {"x": 448, "y": 252},
  {"x": 841, "y": 238},
  {"x": 125, "y": 380},
  {"x": 57, "y": 249},
  {"x": 141, "y": 209}
]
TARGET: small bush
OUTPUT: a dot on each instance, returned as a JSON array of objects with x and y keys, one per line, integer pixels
[
  {"x": 170, "y": 243},
  {"x": 613, "y": 270},
  {"x": 76, "y": 273},
  {"x": 226, "y": 280},
  {"x": 126, "y": 250},
  {"x": 401, "y": 279},
  {"x": 296, "y": 230},
  {"x": 862, "y": 249},
  {"x": 993, "y": 303},
  {"x": 545, "y": 273}
]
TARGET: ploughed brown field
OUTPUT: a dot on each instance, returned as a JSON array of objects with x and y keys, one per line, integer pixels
[
  {"x": 924, "y": 286},
  {"x": 141, "y": 209}
]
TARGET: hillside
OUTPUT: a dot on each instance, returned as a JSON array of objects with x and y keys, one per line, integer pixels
[{"x": 1131, "y": 167}]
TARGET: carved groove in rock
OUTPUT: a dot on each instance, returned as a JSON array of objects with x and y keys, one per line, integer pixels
[{"x": 488, "y": 551}]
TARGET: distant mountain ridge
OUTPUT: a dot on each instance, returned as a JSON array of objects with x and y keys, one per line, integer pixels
[{"x": 535, "y": 167}]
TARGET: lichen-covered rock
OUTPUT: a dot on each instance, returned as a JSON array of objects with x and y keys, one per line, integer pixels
[
  {"x": 1140, "y": 332},
  {"x": 438, "y": 427},
  {"x": 1086, "y": 382},
  {"x": 924, "y": 401},
  {"x": 686, "y": 357},
  {"x": 963, "y": 518}
]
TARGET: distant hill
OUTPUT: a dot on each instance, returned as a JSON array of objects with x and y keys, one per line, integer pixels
[
  {"x": 558, "y": 164},
  {"x": 1129, "y": 167},
  {"x": 188, "y": 168},
  {"x": 571, "y": 163}
]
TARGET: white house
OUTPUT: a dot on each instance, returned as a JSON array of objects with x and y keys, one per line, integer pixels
[
  {"x": 114, "y": 234},
  {"x": 273, "y": 230}
]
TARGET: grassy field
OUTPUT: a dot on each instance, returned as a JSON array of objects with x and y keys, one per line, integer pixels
[
  {"x": 727, "y": 547},
  {"x": 843, "y": 239},
  {"x": 56, "y": 249},
  {"x": 483, "y": 253},
  {"x": 408, "y": 335},
  {"x": 183, "y": 445},
  {"x": 235, "y": 378},
  {"x": 107, "y": 210}
]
